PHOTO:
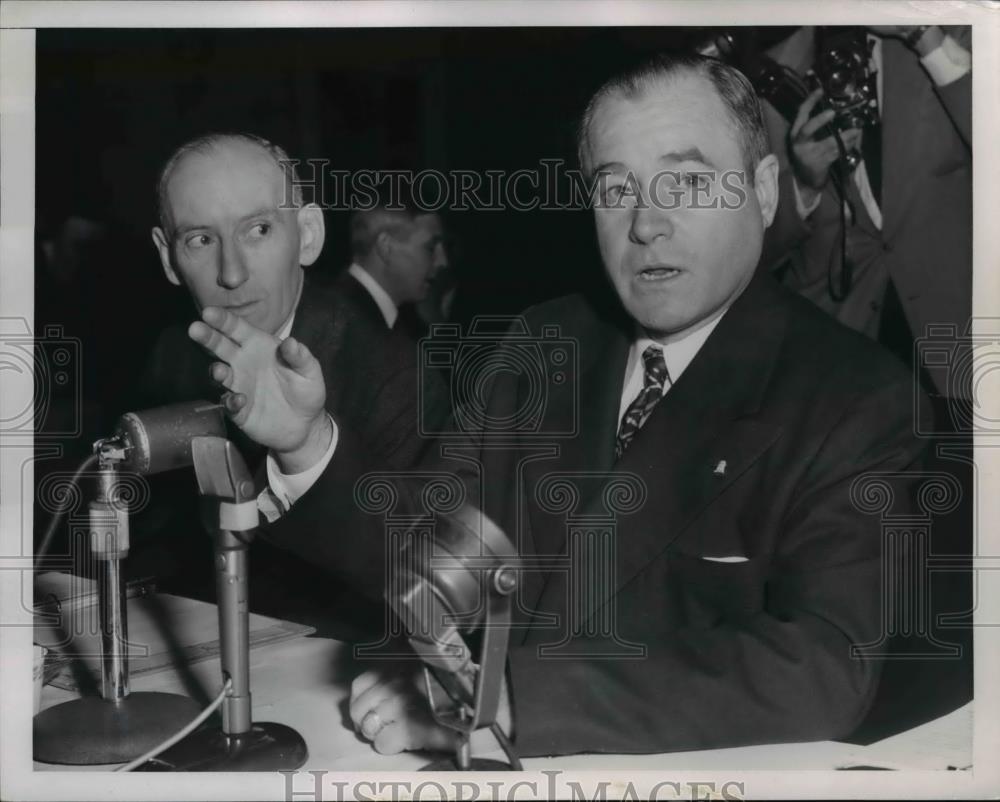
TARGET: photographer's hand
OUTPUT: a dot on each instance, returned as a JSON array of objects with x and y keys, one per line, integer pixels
[
  {"x": 812, "y": 159},
  {"x": 276, "y": 389}
]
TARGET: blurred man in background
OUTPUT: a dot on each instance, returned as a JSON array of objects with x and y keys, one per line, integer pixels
[{"x": 397, "y": 255}]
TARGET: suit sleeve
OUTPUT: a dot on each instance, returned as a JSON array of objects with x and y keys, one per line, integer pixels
[
  {"x": 956, "y": 98},
  {"x": 788, "y": 230},
  {"x": 785, "y": 673},
  {"x": 328, "y": 525}
]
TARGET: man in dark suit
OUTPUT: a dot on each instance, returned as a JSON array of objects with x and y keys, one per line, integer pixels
[
  {"x": 235, "y": 232},
  {"x": 741, "y": 419}
]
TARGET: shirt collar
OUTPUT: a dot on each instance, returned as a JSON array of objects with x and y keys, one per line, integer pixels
[
  {"x": 379, "y": 295},
  {"x": 286, "y": 327},
  {"x": 677, "y": 354}
]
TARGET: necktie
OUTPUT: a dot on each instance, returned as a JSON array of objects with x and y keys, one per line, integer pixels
[{"x": 652, "y": 391}]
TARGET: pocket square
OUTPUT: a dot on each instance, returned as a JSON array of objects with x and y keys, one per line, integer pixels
[{"x": 736, "y": 558}]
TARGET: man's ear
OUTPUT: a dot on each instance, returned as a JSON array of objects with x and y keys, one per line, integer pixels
[
  {"x": 312, "y": 233},
  {"x": 383, "y": 246},
  {"x": 765, "y": 184},
  {"x": 163, "y": 248}
]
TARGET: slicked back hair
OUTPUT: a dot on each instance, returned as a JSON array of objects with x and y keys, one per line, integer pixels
[
  {"x": 733, "y": 87},
  {"x": 208, "y": 142}
]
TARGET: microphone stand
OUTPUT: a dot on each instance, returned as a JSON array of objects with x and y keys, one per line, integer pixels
[
  {"x": 239, "y": 744},
  {"x": 460, "y": 715},
  {"x": 118, "y": 726}
]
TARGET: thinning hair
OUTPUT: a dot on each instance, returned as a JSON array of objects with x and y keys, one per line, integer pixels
[
  {"x": 391, "y": 207},
  {"x": 733, "y": 87},
  {"x": 208, "y": 142},
  {"x": 367, "y": 224}
]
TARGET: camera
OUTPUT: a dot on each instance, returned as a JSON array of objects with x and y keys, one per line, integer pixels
[
  {"x": 968, "y": 365},
  {"x": 502, "y": 349},
  {"x": 42, "y": 381},
  {"x": 842, "y": 70}
]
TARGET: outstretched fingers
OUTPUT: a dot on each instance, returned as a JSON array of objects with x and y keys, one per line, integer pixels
[
  {"x": 296, "y": 355},
  {"x": 233, "y": 326}
]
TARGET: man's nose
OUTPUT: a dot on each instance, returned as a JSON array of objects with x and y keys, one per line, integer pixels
[
  {"x": 232, "y": 268},
  {"x": 650, "y": 220},
  {"x": 440, "y": 258}
]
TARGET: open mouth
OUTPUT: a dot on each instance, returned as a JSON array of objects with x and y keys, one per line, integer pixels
[{"x": 658, "y": 273}]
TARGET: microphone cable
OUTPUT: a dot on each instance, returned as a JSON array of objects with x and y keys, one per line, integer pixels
[
  {"x": 58, "y": 515},
  {"x": 182, "y": 733}
]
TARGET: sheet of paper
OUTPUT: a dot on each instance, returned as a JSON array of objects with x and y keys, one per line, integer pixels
[
  {"x": 163, "y": 631},
  {"x": 945, "y": 743}
]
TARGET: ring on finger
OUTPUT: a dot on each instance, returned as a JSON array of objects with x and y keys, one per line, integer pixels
[{"x": 371, "y": 724}]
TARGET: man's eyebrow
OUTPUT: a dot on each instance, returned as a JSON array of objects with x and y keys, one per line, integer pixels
[
  {"x": 608, "y": 167},
  {"x": 687, "y": 155},
  {"x": 263, "y": 211}
]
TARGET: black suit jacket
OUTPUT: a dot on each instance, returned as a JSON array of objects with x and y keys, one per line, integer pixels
[{"x": 752, "y": 454}]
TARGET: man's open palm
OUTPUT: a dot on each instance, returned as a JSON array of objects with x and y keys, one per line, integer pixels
[{"x": 276, "y": 389}]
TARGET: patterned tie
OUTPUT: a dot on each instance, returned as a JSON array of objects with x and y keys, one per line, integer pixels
[{"x": 652, "y": 391}]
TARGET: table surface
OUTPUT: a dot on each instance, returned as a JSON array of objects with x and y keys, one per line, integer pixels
[{"x": 304, "y": 683}]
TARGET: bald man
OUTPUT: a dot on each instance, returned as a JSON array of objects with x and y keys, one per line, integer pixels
[{"x": 234, "y": 231}]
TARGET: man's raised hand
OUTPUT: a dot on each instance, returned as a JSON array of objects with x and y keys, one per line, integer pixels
[{"x": 275, "y": 388}]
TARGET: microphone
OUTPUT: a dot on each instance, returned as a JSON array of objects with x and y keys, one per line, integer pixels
[
  {"x": 159, "y": 439},
  {"x": 446, "y": 585}
]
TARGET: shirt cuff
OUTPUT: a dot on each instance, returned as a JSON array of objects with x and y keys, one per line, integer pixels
[
  {"x": 947, "y": 62},
  {"x": 287, "y": 488},
  {"x": 800, "y": 206}
]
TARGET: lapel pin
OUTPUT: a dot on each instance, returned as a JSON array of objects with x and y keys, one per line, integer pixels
[{"x": 720, "y": 469}]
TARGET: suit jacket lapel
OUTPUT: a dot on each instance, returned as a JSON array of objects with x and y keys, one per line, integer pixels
[
  {"x": 703, "y": 420},
  {"x": 588, "y": 403}
]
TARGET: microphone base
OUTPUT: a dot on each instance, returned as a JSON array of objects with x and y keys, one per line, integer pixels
[
  {"x": 95, "y": 731},
  {"x": 475, "y": 764},
  {"x": 266, "y": 747}
]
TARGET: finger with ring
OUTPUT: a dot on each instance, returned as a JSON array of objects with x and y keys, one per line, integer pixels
[{"x": 372, "y": 724}]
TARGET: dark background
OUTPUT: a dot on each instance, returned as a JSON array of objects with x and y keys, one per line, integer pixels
[{"x": 112, "y": 104}]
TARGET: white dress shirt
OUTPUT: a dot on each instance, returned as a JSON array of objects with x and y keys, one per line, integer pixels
[{"x": 677, "y": 355}]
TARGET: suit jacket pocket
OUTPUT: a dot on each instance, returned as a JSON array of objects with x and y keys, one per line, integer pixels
[{"x": 709, "y": 591}]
